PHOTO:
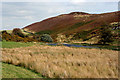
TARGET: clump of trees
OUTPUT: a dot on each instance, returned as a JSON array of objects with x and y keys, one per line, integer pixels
[{"x": 105, "y": 35}]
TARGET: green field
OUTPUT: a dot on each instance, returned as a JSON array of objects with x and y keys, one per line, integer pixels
[
  {"x": 11, "y": 71},
  {"x": 6, "y": 44}
]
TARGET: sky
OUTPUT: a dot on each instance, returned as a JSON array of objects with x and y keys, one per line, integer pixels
[{"x": 20, "y": 13}]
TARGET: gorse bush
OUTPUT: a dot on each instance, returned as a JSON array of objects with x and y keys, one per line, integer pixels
[
  {"x": 46, "y": 38},
  {"x": 6, "y": 36},
  {"x": 16, "y": 38},
  {"x": 18, "y": 32}
]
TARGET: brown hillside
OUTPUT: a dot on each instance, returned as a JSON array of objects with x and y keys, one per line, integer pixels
[{"x": 74, "y": 22}]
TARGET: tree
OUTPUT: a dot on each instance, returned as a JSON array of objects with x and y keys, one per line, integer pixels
[
  {"x": 46, "y": 38},
  {"x": 105, "y": 36}
]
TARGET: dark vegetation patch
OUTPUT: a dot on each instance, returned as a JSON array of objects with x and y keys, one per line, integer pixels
[
  {"x": 44, "y": 32},
  {"x": 79, "y": 24},
  {"x": 101, "y": 46},
  {"x": 82, "y": 35}
]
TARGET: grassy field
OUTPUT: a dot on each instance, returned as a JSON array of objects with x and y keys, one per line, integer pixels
[
  {"x": 6, "y": 44},
  {"x": 11, "y": 71},
  {"x": 64, "y": 62}
]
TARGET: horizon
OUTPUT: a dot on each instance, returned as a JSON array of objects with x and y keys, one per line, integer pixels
[{"x": 21, "y": 14}]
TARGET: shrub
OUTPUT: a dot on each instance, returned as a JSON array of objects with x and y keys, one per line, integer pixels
[
  {"x": 46, "y": 38},
  {"x": 6, "y": 36},
  {"x": 81, "y": 35},
  {"x": 18, "y": 32},
  {"x": 105, "y": 36},
  {"x": 37, "y": 37},
  {"x": 16, "y": 37},
  {"x": 4, "y": 32}
]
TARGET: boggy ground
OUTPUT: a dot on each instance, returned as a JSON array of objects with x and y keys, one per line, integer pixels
[{"x": 64, "y": 62}]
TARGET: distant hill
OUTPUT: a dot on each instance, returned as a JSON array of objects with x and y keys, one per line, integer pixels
[{"x": 72, "y": 23}]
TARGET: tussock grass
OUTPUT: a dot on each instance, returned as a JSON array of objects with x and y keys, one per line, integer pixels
[{"x": 65, "y": 62}]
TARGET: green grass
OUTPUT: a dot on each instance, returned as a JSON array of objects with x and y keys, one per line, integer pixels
[
  {"x": 8, "y": 44},
  {"x": 11, "y": 71}
]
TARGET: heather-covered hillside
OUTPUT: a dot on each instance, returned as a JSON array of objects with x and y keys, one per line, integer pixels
[{"x": 73, "y": 22}]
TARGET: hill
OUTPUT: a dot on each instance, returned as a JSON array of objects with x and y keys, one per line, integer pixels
[{"x": 72, "y": 23}]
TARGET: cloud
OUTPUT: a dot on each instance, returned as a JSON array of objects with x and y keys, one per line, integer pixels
[{"x": 22, "y": 11}]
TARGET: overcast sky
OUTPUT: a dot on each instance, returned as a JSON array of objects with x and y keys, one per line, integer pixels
[{"x": 20, "y": 13}]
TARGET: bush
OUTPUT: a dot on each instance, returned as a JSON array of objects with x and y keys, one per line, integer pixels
[
  {"x": 6, "y": 36},
  {"x": 105, "y": 36},
  {"x": 37, "y": 37},
  {"x": 15, "y": 37},
  {"x": 81, "y": 35},
  {"x": 18, "y": 32},
  {"x": 46, "y": 38}
]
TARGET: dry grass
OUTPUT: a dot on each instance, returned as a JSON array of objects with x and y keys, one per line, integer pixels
[
  {"x": 81, "y": 16},
  {"x": 65, "y": 62}
]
